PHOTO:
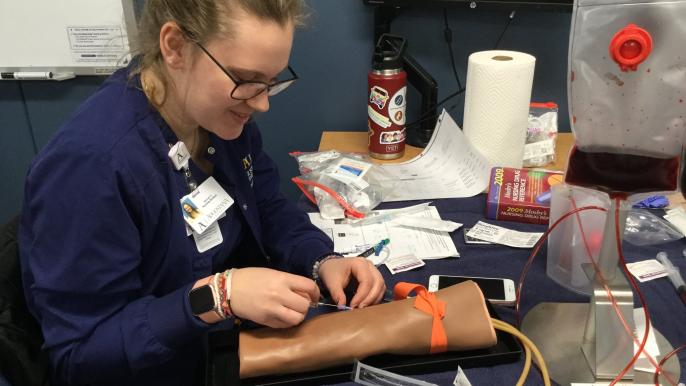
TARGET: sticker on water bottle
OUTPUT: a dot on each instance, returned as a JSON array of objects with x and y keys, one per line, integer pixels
[
  {"x": 378, "y": 96},
  {"x": 397, "y": 108},
  {"x": 377, "y": 118}
]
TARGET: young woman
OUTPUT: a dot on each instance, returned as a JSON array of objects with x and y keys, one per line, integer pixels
[{"x": 123, "y": 284}]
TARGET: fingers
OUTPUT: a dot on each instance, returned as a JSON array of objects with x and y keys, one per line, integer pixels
[
  {"x": 296, "y": 302},
  {"x": 280, "y": 300},
  {"x": 304, "y": 286},
  {"x": 285, "y": 317},
  {"x": 337, "y": 273},
  {"x": 337, "y": 294},
  {"x": 371, "y": 284}
]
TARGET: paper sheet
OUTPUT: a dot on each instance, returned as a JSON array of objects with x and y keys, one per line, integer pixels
[
  {"x": 448, "y": 167},
  {"x": 351, "y": 240}
]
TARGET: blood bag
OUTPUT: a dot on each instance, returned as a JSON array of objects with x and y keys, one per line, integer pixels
[{"x": 627, "y": 92}]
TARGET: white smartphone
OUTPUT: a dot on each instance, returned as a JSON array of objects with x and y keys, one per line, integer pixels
[{"x": 496, "y": 290}]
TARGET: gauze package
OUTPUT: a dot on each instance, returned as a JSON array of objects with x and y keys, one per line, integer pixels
[{"x": 627, "y": 85}]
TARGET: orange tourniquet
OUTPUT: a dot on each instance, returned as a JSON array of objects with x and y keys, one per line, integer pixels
[{"x": 427, "y": 302}]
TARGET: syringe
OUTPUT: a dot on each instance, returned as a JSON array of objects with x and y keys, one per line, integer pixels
[
  {"x": 375, "y": 217},
  {"x": 673, "y": 275}
]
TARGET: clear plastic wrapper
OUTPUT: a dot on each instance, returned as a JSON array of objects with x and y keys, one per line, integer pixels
[
  {"x": 541, "y": 134},
  {"x": 350, "y": 180},
  {"x": 645, "y": 228}
]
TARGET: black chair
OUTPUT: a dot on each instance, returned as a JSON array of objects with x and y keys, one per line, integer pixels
[{"x": 22, "y": 362}]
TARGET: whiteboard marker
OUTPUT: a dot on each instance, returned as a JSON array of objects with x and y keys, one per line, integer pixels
[{"x": 26, "y": 75}]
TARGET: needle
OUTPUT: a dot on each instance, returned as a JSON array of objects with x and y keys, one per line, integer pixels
[{"x": 344, "y": 308}]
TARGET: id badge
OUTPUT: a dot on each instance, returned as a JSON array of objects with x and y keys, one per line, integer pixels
[
  {"x": 210, "y": 238},
  {"x": 205, "y": 205}
]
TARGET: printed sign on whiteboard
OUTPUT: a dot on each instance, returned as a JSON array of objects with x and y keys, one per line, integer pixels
[{"x": 98, "y": 44}]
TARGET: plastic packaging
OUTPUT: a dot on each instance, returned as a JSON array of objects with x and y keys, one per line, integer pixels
[
  {"x": 627, "y": 86},
  {"x": 541, "y": 134},
  {"x": 645, "y": 228},
  {"x": 570, "y": 244},
  {"x": 347, "y": 179}
]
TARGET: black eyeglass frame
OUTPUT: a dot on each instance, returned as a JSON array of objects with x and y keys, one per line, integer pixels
[{"x": 271, "y": 88}]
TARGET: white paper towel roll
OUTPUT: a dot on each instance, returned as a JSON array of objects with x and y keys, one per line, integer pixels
[{"x": 496, "y": 107}]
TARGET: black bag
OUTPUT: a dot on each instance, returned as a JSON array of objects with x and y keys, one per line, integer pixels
[{"x": 22, "y": 362}]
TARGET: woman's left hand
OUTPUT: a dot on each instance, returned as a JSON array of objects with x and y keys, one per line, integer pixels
[{"x": 337, "y": 273}]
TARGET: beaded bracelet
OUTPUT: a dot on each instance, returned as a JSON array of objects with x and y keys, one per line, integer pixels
[
  {"x": 226, "y": 289},
  {"x": 220, "y": 298},
  {"x": 318, "y": 263},
  {"x": 222, "y": 291}
]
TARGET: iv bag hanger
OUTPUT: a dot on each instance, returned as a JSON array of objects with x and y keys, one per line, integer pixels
[
  {"x": 586, "y": 342},
  {"x": 621, "y": 104},
  {"x": 606, "y": 345}
]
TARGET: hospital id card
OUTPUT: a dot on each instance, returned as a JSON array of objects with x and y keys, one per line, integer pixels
[{"x": 203, "y": 206}]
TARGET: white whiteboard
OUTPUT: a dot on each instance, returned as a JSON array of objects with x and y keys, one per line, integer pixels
[{"x": 86, "y": 37}]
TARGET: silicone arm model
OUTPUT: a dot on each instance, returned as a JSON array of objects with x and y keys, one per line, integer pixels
[{"x": 339, "y": 338}]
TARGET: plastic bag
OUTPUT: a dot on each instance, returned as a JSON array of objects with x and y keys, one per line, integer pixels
[
  {"x": 541, "y": 134},
  {"x": 637, "y": 109},
  {"x": 645, "y": 228},
  {"x": 351, "y": 180},
  {"x": 626, "y": 94}
]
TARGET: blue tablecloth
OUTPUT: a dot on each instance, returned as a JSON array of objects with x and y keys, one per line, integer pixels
[{"x": 668, "y": 313}]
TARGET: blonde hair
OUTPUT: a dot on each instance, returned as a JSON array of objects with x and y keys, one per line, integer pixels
[{"x": 201, "y": 20}]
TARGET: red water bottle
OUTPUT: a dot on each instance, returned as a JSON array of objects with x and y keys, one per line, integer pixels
[{"x": 387, "y": 86}]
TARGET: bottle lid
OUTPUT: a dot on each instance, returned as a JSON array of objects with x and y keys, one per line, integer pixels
[{"x": 388, "y": 52}]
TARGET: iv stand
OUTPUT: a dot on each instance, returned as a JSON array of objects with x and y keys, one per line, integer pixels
[{"x": 586, "y": 342}]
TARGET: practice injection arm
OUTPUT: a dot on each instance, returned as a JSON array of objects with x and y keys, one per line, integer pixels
[{"x": 339, "y": 338}]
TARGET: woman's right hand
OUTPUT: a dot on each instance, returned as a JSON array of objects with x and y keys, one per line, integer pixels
[{"x": 270, "y": 297}]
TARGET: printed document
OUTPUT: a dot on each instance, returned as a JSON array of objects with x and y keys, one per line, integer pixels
[
  {"x": 351, "y": 239},
  {"x": 448, "y": 167}
]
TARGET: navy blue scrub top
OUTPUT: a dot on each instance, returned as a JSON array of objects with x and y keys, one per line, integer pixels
[{"x": 106, "y": 262}]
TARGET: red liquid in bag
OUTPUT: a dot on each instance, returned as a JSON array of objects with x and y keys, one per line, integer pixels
[{"x": 626, "y": 173}]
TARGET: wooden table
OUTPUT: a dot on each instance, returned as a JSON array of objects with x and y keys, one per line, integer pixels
[{"x": 356, "y": 142}]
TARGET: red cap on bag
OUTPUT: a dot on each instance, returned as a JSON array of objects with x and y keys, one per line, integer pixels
[{"x": 630, "y": 47}]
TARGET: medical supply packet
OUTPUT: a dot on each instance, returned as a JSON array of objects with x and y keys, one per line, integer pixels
[
  {"x": 541, "y": 134},
  {"x": 347, "y": 179}
]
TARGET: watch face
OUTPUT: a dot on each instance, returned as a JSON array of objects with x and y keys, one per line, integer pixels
[{"x": 201, "y": 300}]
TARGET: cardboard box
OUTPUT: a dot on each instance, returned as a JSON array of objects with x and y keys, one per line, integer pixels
[{"x": 521, "y": 195}]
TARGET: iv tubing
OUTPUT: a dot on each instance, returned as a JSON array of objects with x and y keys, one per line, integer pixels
[
  {"x": 659, "y": 369},
  {"x": 641, "y": 347},
  {"x": 529, "y": 348}
]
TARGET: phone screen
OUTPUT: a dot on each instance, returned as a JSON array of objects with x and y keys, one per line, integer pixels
[{"x": 492, "y": 288}]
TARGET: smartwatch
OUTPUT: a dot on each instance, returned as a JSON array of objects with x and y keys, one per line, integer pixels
[{"x": 201, "y": 300}]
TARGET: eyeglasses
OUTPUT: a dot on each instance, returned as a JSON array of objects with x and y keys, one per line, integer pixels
[{"x": 248, "y": 89}]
